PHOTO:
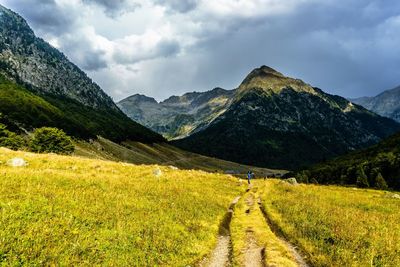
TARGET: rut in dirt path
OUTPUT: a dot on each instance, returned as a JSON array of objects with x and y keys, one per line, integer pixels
[
  {"x": 221, "y": 256},
  {"x": 253, "y": 253},
  {"x": 300, "y": 259}
]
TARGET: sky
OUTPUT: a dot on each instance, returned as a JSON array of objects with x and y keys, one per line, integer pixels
[{"x": 169, "y": 47}]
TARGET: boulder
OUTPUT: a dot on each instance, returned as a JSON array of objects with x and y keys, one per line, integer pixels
[
  {"x": 157, "y": 172},
  {"x": 396, "y": 196},
  {"x": 17, "y": 162},
  {"x": 292, "y": 181}
]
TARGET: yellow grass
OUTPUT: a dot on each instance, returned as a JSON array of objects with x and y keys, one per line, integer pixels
[
  {"x": 71, "y": 211},
  {"x": 337, "y": 226}
]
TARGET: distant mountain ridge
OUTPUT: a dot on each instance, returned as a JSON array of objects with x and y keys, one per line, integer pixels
[
  {"x": 30, "y": 69},
  {"x": 280, "y": 122},
  {"x": 177, "y": 116},
  {"x": 386, "y": 104}
]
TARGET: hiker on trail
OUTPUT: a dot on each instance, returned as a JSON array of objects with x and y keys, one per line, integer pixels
[{"x": 249, "y": 176}]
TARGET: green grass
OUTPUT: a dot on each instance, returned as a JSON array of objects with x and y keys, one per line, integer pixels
[
  {"x": 337, "y": 226},
  {"x": 63, "y": 210}
]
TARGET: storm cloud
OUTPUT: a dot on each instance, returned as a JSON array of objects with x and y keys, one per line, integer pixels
[
  {"x": 114, "y": 8},
  {"x": 166, "y": 47}
]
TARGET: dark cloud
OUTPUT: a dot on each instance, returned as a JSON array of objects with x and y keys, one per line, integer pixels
[
  {"x": 181, "y": 6},
  {"x": 344, "y": 49},
  {"x": 164, "y": 48},
  {"x": 44, "y": 16},
  {"x": 93, "y": 61},
  {"x": 115, "y": 7}
]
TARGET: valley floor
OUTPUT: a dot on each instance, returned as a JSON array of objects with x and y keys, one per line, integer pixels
[{"x": 61, "y": 210}]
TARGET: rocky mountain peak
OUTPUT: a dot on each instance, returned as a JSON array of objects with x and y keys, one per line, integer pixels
[
  {"x": 31, "y": 60},
  {"x": 272, "y": 81},
  {"x": 138, "y": 98},
  {"x": 12, "y": 22}
]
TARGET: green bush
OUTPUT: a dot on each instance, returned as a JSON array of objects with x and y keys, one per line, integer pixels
[
  {"x": 362, "y": 179},
  {"x": 9, "y": 139},
  {"x": 380, "y": 182},
  {"x": 51, "y": 140}
]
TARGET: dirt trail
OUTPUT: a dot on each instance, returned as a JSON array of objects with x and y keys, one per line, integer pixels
[
  {"x": 221, "y": 256},
  {"x": 263, "y": 245},
  {"x": 299, "y": 259},
  {"x": 253, "y": 254},
  {"x": 257, "y": 243}
]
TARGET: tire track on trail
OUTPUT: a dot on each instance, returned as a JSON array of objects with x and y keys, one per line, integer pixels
[
  {"x": 255, "y": 242},
  {"x": 221, "y": 256},
  {"x": 300, "y": 259}
]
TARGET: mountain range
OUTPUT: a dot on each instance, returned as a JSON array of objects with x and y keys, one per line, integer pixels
[
  {"x": 178, "y": 116},
  {"x": 39, "y": 86},
  {"x": 269, "y": 120},
  {"x": 385, "y": 104}
]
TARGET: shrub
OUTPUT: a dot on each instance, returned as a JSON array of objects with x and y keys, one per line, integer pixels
[
  {"x": 51, "y": 140},
  {"x": 362, "y": 179},
  {"x": 380, "y": 182},
  {"x": 9, "y": 139}
]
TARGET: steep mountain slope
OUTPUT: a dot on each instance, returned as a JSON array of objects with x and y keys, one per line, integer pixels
[
  {"x": 166, "y": 155},
  {"x": 364, "y": 168},
  {"x": 31, "y": 67},
  {"x": 385, "y": 104},
  {"x": 280, "y": 122},
  {"x": 178, "y": 116}
]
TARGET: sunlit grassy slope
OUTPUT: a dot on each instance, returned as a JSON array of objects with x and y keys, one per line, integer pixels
[
  {"x": 163, "y": 154},
  {"x": 74, "y": 211},
  {"x": 337, "y": 226}
]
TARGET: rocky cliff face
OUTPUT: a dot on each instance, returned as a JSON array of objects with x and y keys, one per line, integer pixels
[
  {"x": 282, "y": 122},
  {"x": 29, "y": 59},
  {"x": 178, "y": 116},
  {"x": 37, "y": 77},
  {"x": 385, "y": 104}
]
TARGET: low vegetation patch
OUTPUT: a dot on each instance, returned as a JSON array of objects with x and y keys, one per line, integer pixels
[
  {"x": 337, "y": 226},
  {"x": 51, "y": 140},
  {"x": 42, "y": 140},
  {"x": 61, "y": 210}
]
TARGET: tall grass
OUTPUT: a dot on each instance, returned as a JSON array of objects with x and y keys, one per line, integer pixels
[
  {"x": 72, "y": 211},
  {"x": 337, "y": 226}
]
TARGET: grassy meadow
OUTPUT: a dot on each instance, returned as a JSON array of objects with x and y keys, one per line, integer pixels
[
  {"x": 63, "y": 210},
  {"x": 337, "y": 226}
]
